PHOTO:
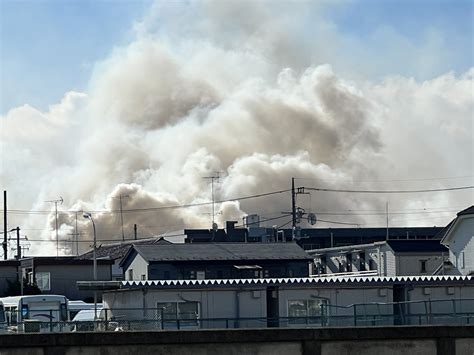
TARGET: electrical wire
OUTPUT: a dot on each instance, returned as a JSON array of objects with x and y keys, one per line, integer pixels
[
  {"x": 392, "y": 180},
  {"x": 243, "y": 198},
  {"x": 389, "y": 191}
]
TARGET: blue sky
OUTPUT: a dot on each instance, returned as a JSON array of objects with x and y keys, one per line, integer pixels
[{"x": 50, "y": 47}]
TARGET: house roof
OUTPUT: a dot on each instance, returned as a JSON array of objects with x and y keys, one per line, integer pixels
[
  {"x": 420, "y": 245},
  {"x": 222, "y": 251},
  {"x": 397, "y": 245},
  {"x": 9, "y": 262},
  {"x": 360, "y": 281},
  {"x": 446, "y": 232},
  {"x": 119, "y": 250},
  {"x": 60, "y": 260},
  {"x": 469, "y": 210}
]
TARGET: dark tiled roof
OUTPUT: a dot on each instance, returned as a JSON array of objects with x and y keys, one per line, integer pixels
[
  {"x": 406, "y": 246},
  {"x": 469, "y": 210},
  {"x": 118, "y": 250},
  {"x": 223, "y": 251},
  {"x": 10, "y": 262},
  {"x": 61, "y": 260}
]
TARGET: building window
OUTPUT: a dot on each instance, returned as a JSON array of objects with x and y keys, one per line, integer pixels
[
  {"x": 186, "y": 312},
  {"x": 362, "y": 261},
  {"x": 143, "y": 277},
  {"x": 305, "y": 311},
  {"x": 200, "y": 275},
  {"x": 349, "y": 262},
  {"x": 43, "y": 281},
  {"x": 423, "y": 266},
  {"x": 130, "y": 274}
]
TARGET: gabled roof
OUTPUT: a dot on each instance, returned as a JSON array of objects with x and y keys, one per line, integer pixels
[
  {"x": 446, "y": 232},
  {"x": 469, "y": 210},
  {"x": 60, "y": 261},
  {"x": 221, "y": 251},
  {"x": 408, "y": 246},
  {"x": 119, "y": 250}
]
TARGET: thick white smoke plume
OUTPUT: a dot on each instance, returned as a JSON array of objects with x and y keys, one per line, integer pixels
[{"x": 242, "y": 95}]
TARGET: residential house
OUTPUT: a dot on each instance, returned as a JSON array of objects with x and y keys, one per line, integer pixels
[
  {"x": 388, "y": 258},
  {"x": 307, "y": 238},
  {"x": 458, "y": 236},
  {"x": 58, "y": 275},
  {"x": 215, "y": 261},
  {"x": 116, "y": 251},
  {"x": 8, "y": 273}
]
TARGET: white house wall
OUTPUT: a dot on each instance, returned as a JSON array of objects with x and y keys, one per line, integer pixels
[
  {"x": 388, "y": 261},
  {"x": 139, "y": 267},
  {"x": 461, "y": 242},
  {"x": 408, "y": 265}
]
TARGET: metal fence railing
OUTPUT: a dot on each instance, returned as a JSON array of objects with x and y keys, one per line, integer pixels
[{"x": 430, "y": 312}]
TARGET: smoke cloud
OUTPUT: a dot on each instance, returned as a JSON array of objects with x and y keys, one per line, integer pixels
[{"x": 242, "y": 96}]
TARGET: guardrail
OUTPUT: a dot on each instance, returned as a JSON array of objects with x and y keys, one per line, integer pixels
[{"x": 430, "y": 312}]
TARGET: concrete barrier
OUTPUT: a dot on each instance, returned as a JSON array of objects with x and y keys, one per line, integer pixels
[{"x": 440, "y": 340}]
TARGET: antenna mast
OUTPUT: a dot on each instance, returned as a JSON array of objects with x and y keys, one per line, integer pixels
[
  {"x": 56, "y": 221},
  {"x": 121, "y": 213},
  {"x": 214, "y": 225}
]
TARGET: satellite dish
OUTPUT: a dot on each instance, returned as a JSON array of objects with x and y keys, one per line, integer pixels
[{"x": 312, "y": 219}]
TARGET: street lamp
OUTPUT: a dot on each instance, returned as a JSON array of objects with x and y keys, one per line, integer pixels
[{"x": 87, "y": 215}]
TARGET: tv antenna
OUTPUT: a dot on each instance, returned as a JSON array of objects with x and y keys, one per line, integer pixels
[
  {"x": 121, "y": 212},
  {"x": 60, "y": 200},
  {"x": 214, "y": 224}
]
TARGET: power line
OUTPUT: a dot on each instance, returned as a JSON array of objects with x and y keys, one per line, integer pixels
[
  {"x": 243, "y": 198},
  {"x": 392, "y": 180},
  {"x": 389, "y": 191}
]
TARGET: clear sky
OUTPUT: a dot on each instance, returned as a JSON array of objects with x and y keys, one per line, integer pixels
[{"x": 49, "y": 46}]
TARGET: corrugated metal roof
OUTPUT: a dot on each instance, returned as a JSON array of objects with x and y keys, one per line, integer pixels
[
  {"x": 363, "y": 281},
  {"x": 367, "y": 280},
  {"x": 222, "y": 251}
]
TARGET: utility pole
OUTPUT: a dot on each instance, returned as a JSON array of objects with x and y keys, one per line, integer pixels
[
  {"x": 18, "y": 247},
  {"x": 5, "y": 252},
  {"x": 56, "y": 212},
  {"x": 75, "y": 237},
  {"x": 293, "y": 207},
  {"x": 121, "y": 213},
  {"x": 212, "y": 178}
]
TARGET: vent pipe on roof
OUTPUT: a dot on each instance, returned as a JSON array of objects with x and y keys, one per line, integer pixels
[{"x": 135, "y": 231}]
